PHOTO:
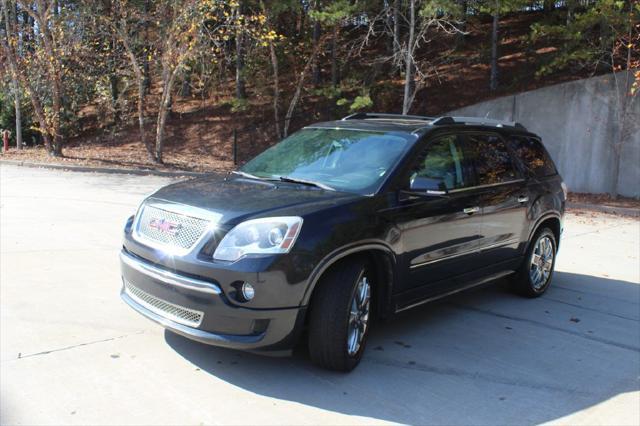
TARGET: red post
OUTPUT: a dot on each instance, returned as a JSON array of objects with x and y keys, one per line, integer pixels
[{"x": 5, "y": 140}]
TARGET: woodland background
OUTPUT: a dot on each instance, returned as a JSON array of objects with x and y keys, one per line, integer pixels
[{"x": 172, "y": 83}]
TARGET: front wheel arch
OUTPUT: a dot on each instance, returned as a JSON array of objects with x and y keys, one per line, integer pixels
[{"x": 383, "y": 263}]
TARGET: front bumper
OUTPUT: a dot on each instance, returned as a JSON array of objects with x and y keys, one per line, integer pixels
[{"x": 199, "y": 310}]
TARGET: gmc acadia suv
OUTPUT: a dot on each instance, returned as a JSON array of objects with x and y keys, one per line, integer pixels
[{"x": 344, "y": 222}]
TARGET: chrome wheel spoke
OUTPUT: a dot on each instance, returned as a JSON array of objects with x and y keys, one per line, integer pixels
[
  {"x": 358, "y": 315},
  {"x": 541, "y": 262}
]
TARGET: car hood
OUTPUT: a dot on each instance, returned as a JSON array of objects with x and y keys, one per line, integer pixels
[{"x": 237, "y": 198}]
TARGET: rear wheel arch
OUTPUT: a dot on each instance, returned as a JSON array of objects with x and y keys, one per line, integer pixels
[{"x": 552, "y": 222}]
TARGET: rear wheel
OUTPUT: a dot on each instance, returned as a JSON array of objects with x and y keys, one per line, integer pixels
[
  {"x": 534, "y": 276},
  {"x": 340, "y": 316}
]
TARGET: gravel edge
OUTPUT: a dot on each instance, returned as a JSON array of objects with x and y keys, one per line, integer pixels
[{"x": 71, "y": 167}]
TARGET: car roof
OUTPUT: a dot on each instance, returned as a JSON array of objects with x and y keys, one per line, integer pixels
[{"x": 412, "y": 123}]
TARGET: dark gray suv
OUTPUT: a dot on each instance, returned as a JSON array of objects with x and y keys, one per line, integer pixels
[{"x": 341, "y": 223}]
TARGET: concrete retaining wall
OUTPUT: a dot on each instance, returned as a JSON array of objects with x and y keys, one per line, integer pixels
[{"x": 577, "y": 122}]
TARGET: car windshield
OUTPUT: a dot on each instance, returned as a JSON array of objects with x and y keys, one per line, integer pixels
[{"x": 345, "y": 160}]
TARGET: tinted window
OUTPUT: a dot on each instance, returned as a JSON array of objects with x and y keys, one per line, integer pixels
[
  {"x": 491, "y": 158},
  {"x": 443, "y": 162},
  {"x": 347, "y": 160},
  {"x": 534, "y": 157}
]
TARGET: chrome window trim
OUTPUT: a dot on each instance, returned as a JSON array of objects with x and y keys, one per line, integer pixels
[
  {"x": 170, "y": 278},
  {"x": 478, "y": 250},
  {"x": 488, "y": 185},
  {"x": 181, "y": 209}
]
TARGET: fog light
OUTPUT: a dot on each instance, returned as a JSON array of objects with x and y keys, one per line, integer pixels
[{"x": 248, "y": 291}]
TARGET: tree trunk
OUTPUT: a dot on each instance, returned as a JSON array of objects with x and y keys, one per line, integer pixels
[
  {"x": 38, "y": 110},
  {"x": 16, "y": 100},
  {"x": 185, "y": 89},
  {"x": 113, "y": 84},
  {"x": 389, "y": 29},
  {"x": 493, "y": 81},
  {"x": 54, "y": 76},
  {"x": 143, "y": 136},
  {"x": 396, "y": 29},
  {"x": 299, "y": 84},
  {"x": 56, "y": 108},
  {"x": 10, "y": 53},
  {"x": 145, "y": 56},
  {"x": 142, "y": 90},
  {"x": 165, "y": 102},
  {"x": 42, "y": 122},
  {"x": 276, "y": 79},
  {"x": 335, "y": 77},
  {"x": 276, "y": 88},
  {"x": 241, "y": 91},
  {"x": 571, "y": 10},
  {"x": 461, "y": 35},
  {"x": 316, "y": 67},
  {"x": 409, "y": 70}
]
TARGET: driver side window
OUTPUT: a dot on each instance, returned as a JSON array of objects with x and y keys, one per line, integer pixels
[{"x": 443, "y": 163}]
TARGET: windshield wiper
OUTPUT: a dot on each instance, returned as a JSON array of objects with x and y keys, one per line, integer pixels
[
  {"x": 306, "y": 182},
  {"x": 247, "y": 175}
]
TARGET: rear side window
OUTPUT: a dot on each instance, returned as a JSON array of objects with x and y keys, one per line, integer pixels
[
  {"x": 534, "y": 157},
  {"x": 492, "y": 160}
]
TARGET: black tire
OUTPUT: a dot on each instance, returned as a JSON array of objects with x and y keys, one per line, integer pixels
[
  {"x": 330, "y": 316},
  {"x": 522, "y": 282}
]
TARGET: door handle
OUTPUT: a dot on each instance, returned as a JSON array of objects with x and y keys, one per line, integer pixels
[
  {"x": 523, "y": 199},
  {"x": 471, "y": 210}
]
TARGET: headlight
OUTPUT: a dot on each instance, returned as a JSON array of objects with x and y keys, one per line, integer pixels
[{"x": 269, "y": 235}]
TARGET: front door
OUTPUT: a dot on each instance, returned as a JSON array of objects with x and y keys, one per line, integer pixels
[{"x": 440, "y": 235}]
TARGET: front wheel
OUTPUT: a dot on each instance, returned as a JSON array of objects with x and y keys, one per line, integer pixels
[
  {"x": 534, "y": 276},
  {"x": 340, "y": 317}
]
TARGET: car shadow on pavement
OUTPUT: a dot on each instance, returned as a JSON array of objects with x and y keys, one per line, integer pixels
[{"x": 484, "y": 356}]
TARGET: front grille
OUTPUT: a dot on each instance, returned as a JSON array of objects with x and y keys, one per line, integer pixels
[
  {"x": 176, "y": 313},
  {"x": 170, "y": 228}
]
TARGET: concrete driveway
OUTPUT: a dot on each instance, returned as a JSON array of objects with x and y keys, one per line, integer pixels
[{"x": 72, "y": 352}]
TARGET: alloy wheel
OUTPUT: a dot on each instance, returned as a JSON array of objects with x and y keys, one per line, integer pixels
[{"x": 541, "y": 263}]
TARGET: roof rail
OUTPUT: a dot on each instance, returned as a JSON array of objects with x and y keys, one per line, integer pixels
[
  {"x": 477, "y": 120},
  {"x": 374, "y": 115}
]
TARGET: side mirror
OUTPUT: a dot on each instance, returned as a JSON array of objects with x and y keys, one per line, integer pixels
[{"x": 427, "y": 186}]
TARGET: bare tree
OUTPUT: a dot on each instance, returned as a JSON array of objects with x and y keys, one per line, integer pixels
[
  {"x": 118, "y": 21},
  {"x": 276, "y": 78},
  {"x": 626, "y": 95},
  {"x": 425, "y": 21},
  {"x": 8, "y": 45},
  {"x": 408, "y": 73},
  {"x": 44, "y": 14},
  {"x": 300, "y": 83}
]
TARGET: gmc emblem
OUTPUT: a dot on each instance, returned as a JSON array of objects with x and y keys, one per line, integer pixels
[{"x": 165, "y": 226}]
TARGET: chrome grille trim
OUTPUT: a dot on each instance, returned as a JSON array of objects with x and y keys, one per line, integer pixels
[
  {"x": 167, "y": 277},
  {"x": 188, "y": 229},
  {"x": 176, "y": 313}
]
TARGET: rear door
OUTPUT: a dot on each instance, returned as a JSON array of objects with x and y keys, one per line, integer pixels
[{"x": 503, "y": 197}]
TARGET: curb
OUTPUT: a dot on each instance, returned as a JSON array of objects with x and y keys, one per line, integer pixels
[
  {"x": 621, "y": 211},
  {"x": 87, "y": 169}
]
